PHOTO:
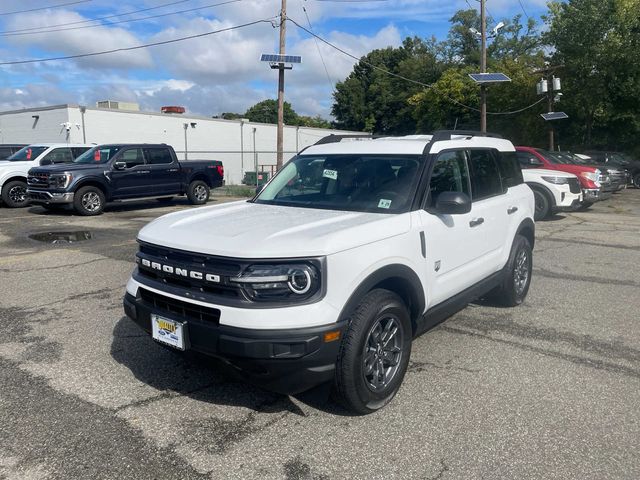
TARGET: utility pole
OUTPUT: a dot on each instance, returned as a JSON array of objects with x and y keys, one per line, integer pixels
[
  {"x": 550, "y": 109},
  {"x": 281, "y": 68},
  {"x": 483, "y": 65}
]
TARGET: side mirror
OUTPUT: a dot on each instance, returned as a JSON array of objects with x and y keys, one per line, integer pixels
[
  {"x": 453, "y": 203},
  {"x": 259, "y": 189},
  {"x": 45, "y": 161},
  {"x": 120, "y": 165},
  {"x": 534, "y": 162}
]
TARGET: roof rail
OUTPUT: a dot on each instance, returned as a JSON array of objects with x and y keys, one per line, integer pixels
[
  {"x": 440, "y": 135},
  {"x": 333, "y": 138}
]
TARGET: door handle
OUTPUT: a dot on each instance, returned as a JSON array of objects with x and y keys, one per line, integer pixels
[
  {"x": 144, "y": 171},
  {"x": 511, "y": 210},
  {"x": 476, "y": 221},
  {"x": 173, "y": 170}
]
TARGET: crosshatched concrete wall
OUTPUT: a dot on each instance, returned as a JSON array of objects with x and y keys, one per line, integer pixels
[{"x": 239, "y": 144}]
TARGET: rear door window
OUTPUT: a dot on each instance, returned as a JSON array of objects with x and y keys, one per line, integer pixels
[
  {"x": 58, "y": 155},
  {"x": 158, "y": 156},
  {"x": 485, "y": 176},
  {"x": 510, "y": 170},
  {"x": 132, "y": 157}
]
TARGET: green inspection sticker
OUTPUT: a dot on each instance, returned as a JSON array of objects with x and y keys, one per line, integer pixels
[{"x": 384, "y": 203}]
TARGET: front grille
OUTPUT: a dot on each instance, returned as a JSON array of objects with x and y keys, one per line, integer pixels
[
  {"x": 224, "y": 268},
  {"x": 38, "y": 179},
  {"x": 574, "y": 185},
  {"x": 171, "y": 306}
]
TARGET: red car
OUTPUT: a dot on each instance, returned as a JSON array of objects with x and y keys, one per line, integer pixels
[{"x": 590, "y": 177}]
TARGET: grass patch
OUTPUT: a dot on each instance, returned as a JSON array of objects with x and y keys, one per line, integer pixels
[{"x": 235, "y": 191}]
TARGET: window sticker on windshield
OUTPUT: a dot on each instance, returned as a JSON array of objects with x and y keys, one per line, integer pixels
[
  {"x": 384, "y": 203},
  {"x": 332, "y": 174}
]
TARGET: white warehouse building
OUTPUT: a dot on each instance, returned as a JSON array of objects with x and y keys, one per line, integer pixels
[{"x": 240, "y": 144}]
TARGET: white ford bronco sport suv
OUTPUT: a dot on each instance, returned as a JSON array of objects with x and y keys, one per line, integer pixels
[{"x": 352, "y": 250}]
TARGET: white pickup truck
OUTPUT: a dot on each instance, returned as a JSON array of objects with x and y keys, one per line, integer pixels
[{"x": 13, "y": 171}]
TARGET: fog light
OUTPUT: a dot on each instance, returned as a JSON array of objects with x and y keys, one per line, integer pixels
[{"x": 331, "y": 336}]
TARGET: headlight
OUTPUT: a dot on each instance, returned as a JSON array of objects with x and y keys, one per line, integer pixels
[
  {"x": 60, "y": 180},
  {"x": 593, "y": 176},
  {"x": 556, "y": 180},
  {"x": 286, "y": 282}
]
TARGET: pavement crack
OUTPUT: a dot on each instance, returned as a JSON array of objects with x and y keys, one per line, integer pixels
[
  {"x": 162, "y": 396},
  {"x": 573, "y": 241},
  {"x": 583, "y": 361},
  {"x": 416, "y": 366},
  {"x": 443, "y": 469},
  {"x": 39, "y": 269},
  {"x": 584, "y": 278}
]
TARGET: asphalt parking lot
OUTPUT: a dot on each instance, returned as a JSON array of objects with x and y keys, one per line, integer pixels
[{"x": 546, "y": 390}]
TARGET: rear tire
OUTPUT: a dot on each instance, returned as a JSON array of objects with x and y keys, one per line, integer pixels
[
  {"x": 542, "y": 205},
  {"x": 14, "y": 194},
  {"x": 89, "y": 201},
  {"x": 636, "y": 180},
  {"x": 198, "y": 192},
  {"x": 374, "y": 353},
  {"x": 517, "y": 274}
]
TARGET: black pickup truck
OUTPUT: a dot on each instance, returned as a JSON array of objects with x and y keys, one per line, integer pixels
[{"x": 116, "y": 172}]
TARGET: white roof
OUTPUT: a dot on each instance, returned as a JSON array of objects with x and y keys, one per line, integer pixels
[{"x": 410, "y": 144}]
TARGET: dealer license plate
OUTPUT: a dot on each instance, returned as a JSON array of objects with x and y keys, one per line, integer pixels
[{"x": 167, "y": 331}]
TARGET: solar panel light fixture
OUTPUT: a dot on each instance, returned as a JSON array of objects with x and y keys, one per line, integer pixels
[
  {"x": 277, "y": 60},
  {"x": 481, "y": 78},
  {"x": 554, "y": 116}
]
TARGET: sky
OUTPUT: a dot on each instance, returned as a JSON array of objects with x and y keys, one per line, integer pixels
[{"x": 210, "y": 74}]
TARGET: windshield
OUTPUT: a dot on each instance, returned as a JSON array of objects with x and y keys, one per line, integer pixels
[
  {"x": 554, "y": 157},
  {"x": 98, "y": 154},
  {"x": 27, "y": 154},
  {"x": 362, "y": 183}
]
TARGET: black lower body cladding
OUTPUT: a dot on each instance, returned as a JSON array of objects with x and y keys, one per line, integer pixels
[{"x": 284, "y": 361}]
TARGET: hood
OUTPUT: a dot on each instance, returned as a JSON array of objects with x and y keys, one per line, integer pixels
[
  {"x": 539, "y": 172},
  {"x": 250, "y": 230},
  {"x": 68, "y": 167}
]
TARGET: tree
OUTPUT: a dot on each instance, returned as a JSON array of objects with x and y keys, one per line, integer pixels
[
  {"x": 371, "y": 99},
  {"x": 597, "y": 44},
  {"x": 267, "y": 112}
]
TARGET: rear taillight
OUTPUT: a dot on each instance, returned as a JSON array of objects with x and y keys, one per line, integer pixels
[{"x": 220, "y": 169}]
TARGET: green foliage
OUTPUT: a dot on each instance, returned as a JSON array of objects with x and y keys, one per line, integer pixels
[
  {"x": 267, "y": 112},
  {"x": 595, "y": 45}
]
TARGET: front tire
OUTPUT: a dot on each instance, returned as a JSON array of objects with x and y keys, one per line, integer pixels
[
  {"x": 198, "y": 192},
  {"x": 14, "y": 194},
  {"x": 374, "y": 353},
  {"x": 517, "y": 275},
  {"x": 542, "y": 205},
  {"x": 89, "y": 201}
]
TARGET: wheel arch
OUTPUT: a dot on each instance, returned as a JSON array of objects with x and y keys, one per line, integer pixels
[
  {"x": 199, "y": 176},
  {"x": 546, "y": 191},
  {"x": 13, "y": 178},
  {"x": 397, "y": 278},
  {"x": 92, "y": 183},
  {"x": 527, "y": 229}
]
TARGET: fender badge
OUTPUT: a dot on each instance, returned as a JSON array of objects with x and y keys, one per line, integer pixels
[{"x": 436, "y": 266}]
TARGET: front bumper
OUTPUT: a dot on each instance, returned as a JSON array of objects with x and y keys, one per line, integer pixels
[
  {"x": 594, "y": 195},
  {"x": 287, "y": 361},
  {"x": 48, "y": 198},
  {"x": 575, "y": 205}
]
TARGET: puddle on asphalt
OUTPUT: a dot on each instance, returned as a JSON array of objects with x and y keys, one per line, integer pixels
[{"x": 57, "y": 238}]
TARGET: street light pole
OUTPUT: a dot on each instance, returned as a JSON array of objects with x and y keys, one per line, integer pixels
[
  {"x": 280, "y": 139},
  {"x": 483, "y": 65},
  {"x": 186, "y": 125}
]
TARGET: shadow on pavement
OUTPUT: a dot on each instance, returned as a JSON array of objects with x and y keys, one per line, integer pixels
[{"x": 202, "y": 378}]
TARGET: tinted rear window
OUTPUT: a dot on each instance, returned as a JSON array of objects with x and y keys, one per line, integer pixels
[{"x": 158, "y": 156}]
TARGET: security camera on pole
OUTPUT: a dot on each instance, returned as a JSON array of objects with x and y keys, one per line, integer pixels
[
  {"x": 483, "y": 78},
  {"x": 550, "y": 86}
]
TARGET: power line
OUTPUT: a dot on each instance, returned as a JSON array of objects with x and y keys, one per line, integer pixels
[
  {"x": 95, "y": 19},
  {"x": 123, "y": 21},
  {"x": 523, "y": 10},
  {"x": 137, "y": 47},
  {"x": 428, "y": 86},
  {"x": 45, "y": 8},
  {"x": 331, "y": 82}
]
